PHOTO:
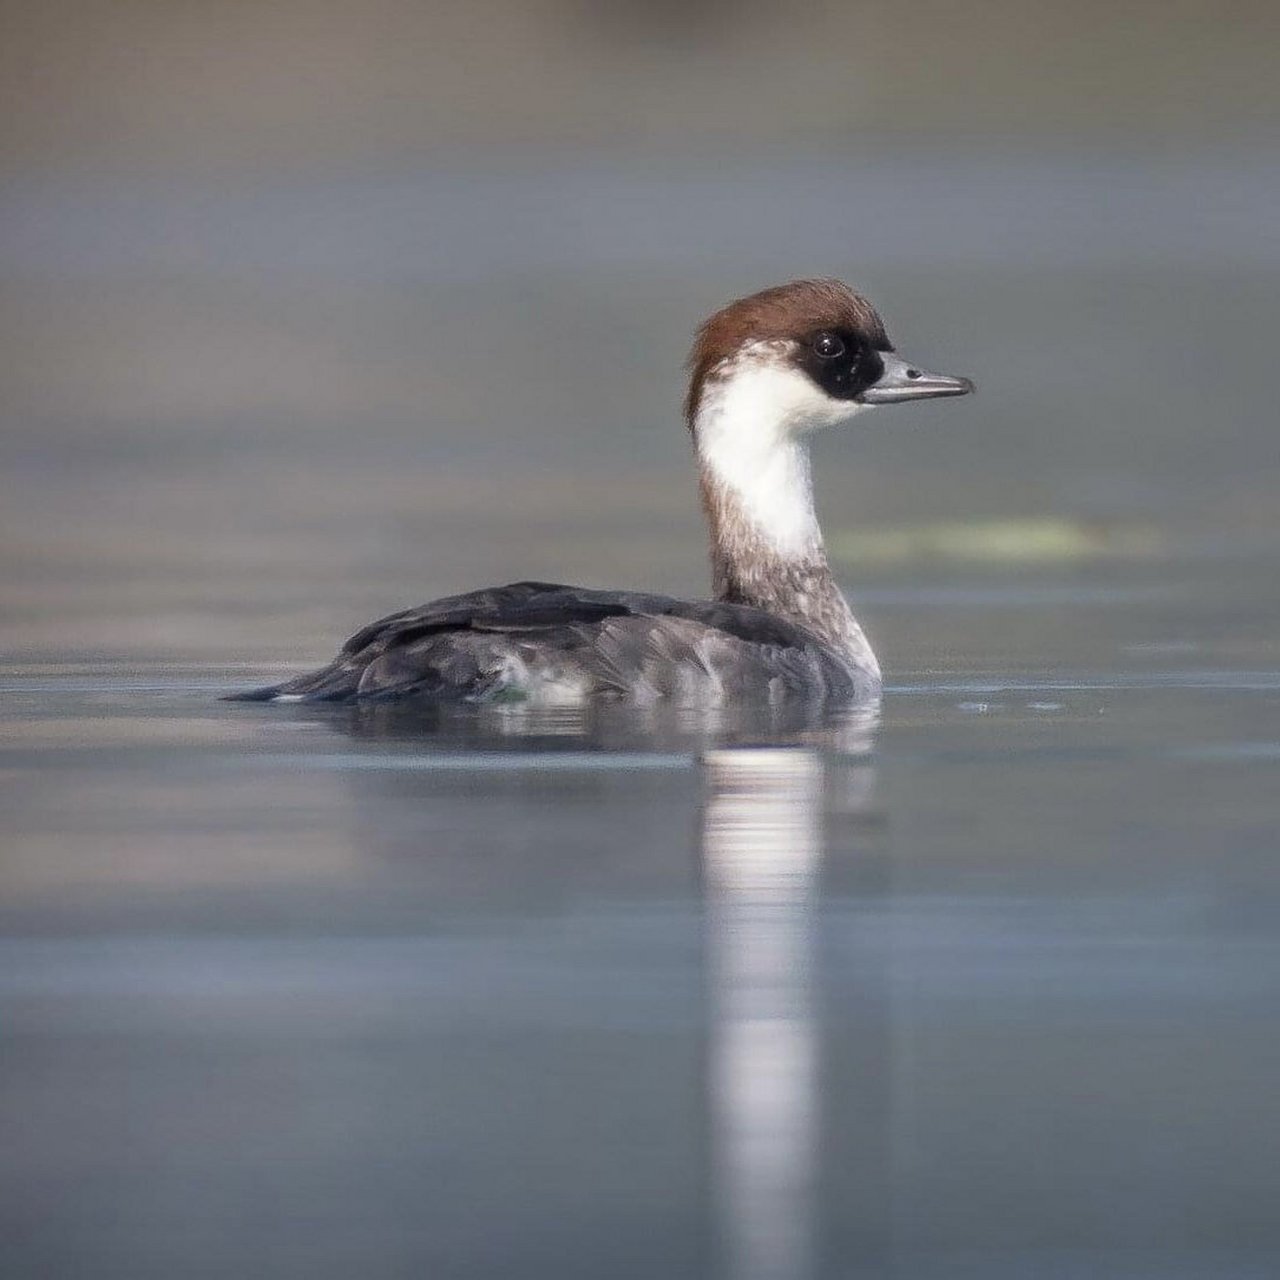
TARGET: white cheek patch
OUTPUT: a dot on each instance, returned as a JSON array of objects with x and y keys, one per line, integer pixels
[
  {"x": 763, "y": 392},
  {"x": 750, "y": 429}
]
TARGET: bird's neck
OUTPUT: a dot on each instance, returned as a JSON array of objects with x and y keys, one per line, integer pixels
[{"x": 766, "y": 546}]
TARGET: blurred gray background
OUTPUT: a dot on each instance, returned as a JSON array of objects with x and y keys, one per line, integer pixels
[
  {"x": 313, "y": 310},
  {"x": 310, "y": 312}
]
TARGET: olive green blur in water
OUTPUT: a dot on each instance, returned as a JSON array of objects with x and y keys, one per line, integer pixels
[{"x": 984, "y": 984}]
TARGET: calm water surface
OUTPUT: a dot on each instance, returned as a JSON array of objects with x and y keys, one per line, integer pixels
[
  {"x": 983, "y": 984},
  {"x": 986, "y": 984}
]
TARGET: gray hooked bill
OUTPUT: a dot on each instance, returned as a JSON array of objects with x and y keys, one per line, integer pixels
[{"x": 902, "y": 381}]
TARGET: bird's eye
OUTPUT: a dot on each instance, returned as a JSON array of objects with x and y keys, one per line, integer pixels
[{"x": 828, "y": 345}]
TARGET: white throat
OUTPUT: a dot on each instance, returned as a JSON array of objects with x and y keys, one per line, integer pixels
[{"x": 750, "y": 429}]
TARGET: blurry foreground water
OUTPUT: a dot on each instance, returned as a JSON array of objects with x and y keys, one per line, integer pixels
[
  {"x": 987, "y": 985},
  {"x": 989, "y": 990}
]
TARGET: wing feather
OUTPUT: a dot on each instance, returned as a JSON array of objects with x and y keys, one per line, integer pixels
[{"x": 623, "y": 642}]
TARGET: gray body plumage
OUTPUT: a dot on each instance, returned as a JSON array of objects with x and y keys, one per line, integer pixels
[{"x": 551, "y": 643}]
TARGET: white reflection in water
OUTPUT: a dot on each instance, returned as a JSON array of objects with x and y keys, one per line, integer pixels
[{"x": 762, "y": 845}]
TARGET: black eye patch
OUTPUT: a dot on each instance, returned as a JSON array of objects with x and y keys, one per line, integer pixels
[{"x": 843, "y": 364}]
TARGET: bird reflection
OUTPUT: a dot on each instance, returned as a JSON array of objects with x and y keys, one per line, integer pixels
[
  {"x": 775, "y": 777},
  {"x": 762, "y": 850},
  {"x": 604, "y": 726}
]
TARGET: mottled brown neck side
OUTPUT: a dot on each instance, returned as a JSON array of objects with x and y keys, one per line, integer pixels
[{"x": 747, "y": 569}]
